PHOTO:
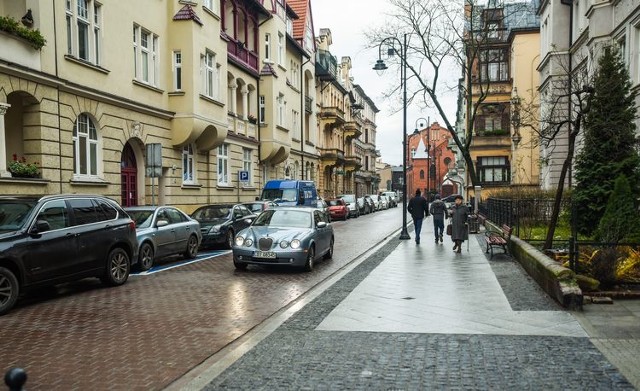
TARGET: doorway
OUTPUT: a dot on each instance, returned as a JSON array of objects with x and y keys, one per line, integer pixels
[{"x": 129, "y": 177}]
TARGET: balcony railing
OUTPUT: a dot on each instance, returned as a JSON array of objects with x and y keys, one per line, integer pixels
[
  {"x": 308, "y": 104},
  {"x": 326, "y": 65},
  {"x": 238, "y": 51}
]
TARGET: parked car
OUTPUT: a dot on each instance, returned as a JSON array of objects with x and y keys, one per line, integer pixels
[
  {"x": 376, "y": 201},
  {"x": 323, "y": 207},
  {"x": 393, "y": 198},
  {"x": 287, "y": 192},
  {"x": 352, "y": 204},
  {"x": 384, "y": 202},
  {"x": 163, "y": 231},
  {"x": 285, "y": 236},
  {"x": 338, "y": 209},
  {"x": 363, "y": 206},
  {"x": 257, "y": 207},
  {"x": 371, "y": 203},
  {"x": 59, "y": 238},
  {"x": 219, "y": 223}
]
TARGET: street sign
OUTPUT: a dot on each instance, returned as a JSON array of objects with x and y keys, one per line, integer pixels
[
  {"x": 154, "y": 160},
  {"x": 243, "y": 176}
]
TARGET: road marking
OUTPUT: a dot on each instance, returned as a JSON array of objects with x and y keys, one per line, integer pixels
[{"x": 200, "y": 257}]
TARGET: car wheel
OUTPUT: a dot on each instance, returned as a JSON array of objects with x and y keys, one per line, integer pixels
[
  {"x": 311, "y": 257},
  {"x": 230, "y": 239},
  {"x": 118, "y": 267},
  {"x": 240, "y": 265},
  {"x": 329, "y": 253},
  {"x": 192, "y": 247},
  {"x": 9, "y": 290},
  {"x": 145, "y": 258}
]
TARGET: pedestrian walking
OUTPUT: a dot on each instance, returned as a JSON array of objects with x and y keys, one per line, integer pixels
[
  {"x": 419, "y": 208},
  {"x": 459, "y": 231},
  {"x": 438, "y": 210}
]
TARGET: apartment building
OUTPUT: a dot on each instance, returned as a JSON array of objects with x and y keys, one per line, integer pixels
[{"x": 573, "y": 34}]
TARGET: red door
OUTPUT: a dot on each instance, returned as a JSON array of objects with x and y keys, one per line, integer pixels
[{"x": 129, "y": 173}]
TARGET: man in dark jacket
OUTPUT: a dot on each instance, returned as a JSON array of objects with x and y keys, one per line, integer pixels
[
  {"x": 438, "y": 210},
  {"x": 419, "y": 208}
]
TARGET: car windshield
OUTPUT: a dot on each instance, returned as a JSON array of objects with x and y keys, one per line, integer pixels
[
  {"x": 347, "y": 197},
  {"x": 284, "y": 218},
  {"x": 333, "y": 203},
  {"x": 255, "y": 207},
  {"x": 280, "y": 194},
  {"x": 212, "y": 213},
  {"x": 13, "y": 214},
  {"x": 142, "y": 218}
]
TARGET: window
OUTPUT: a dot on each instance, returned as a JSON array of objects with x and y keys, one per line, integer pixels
[
  {"x": 280, "y": 49},
  {"x": 622, "y": 47},
  {"x": 246, "y": 164},
  {"x": 636, "y": 46},
  {"x": 413, "y": 153},
  {"x": 145, "y": 52},
  {"x": 263, "y": 109},
  {"x": 210, "y": 79},
  {"x": 188, "y": 166},
  {"x": 84, "y": 211},
  {"x": 212, "y": 5},
  {"x": 494, "y": 65},
  {"x": 267, "y": 46},
  {"x": 223, "y": 165},
  {"x": 177, "y": 70},
  {"x": 85, "y": 147},
  {"x": 83, "y": 19},
  {"x": 493, "y": 169},
  {"x": 295, "y": 78},
  {"x": 55, "y": 213},
  {"x": 281, "y": 108},
  {"x": 294, "y": 120}
]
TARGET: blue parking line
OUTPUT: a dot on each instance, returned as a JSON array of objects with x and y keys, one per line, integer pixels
[{"x": 198, "y": 258}]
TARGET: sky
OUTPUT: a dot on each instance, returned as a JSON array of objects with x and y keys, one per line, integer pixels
[{"x": 347, "y": 20}]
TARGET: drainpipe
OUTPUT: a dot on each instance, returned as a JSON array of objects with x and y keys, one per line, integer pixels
[
  {"x": 303, "y": 114},
  {"x": 55, "y": 51},
  {"x": 569, "y": 103}
]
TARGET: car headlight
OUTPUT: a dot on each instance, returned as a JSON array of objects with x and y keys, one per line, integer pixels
[
  {"x": 215, "y": 229},
  {"x": 284, "y": 244},
  {"x": 239, "y": 241},
  {"x": 248, "y": 242},
  {"x": 295, "y": 243}
]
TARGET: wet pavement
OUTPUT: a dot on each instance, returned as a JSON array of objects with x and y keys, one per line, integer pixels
[{"x": 411, "y": 317}]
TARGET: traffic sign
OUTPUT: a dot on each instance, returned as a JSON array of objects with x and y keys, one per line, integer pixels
[{"x": 243, "y": 176}]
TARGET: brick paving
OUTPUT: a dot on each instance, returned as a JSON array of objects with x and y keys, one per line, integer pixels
[{"x": 152, "y": 330}]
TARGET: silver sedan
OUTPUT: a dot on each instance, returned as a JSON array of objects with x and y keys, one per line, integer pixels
[
  {"x": 295, "y": 236},
  {"x": 164, "y": 231}
]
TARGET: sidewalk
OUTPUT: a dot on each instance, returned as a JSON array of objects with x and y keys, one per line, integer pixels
[{"x": 417, "y": 317}]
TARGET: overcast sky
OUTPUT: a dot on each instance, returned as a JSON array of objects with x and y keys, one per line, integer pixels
[{"x": 347, "y": 20}]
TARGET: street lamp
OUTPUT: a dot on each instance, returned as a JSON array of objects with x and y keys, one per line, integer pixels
[
  {"x": 515, "y": 117},
  {"x": 380, "y": 67}
]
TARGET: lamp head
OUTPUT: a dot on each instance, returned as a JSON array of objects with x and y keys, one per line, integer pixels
[{"x": 380, "y": 67}]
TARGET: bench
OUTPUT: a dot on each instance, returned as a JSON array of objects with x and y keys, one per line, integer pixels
[
  {"x": 481, "y": 219},
  {"x": 498, "y": 239}
]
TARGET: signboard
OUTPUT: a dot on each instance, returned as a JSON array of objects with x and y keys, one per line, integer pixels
[
  {"x": 153, "y": 160},
  {"x": 243, "y": 176}
]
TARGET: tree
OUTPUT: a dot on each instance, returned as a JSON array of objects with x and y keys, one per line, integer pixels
[
  {"x": 609, "y": 145},
  {"x": 621, "y": 221},
  {"x": 443, "y": 36}
]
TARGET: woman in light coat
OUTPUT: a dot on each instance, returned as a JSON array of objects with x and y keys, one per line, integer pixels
[{"x": 459, "y": 231}]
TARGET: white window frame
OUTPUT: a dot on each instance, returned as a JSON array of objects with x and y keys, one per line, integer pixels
[
  {"x": 223, "y": 165},
  {"x": 211, "y": 85},
  {"x": 188, "y": 165},
  {"x": 267, "y": 46},
  {"x": 86, "y": 14},
  {"x": 281, "y": 108},
  {"x": 85, "y": 132},
  {"x": 280, "y": 49},
  {"x": 148, "y": 74},
  {"x": 247, "y": 164},
  {"x": 177, "y": 70},
  {"x": 294, "y": 120}
]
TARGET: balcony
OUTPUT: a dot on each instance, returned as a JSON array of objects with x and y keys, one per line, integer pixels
[
  {"x": 352, "y": 130},
  {"x": 19, "y": 51},
  {"x": 331, "y": 156},
  {"x": 331, "y": 117},
  {"x": 239, "y": 53},
  {"x": 491, "y": 140},
  {"x": 242, "y": 127},
  {"x": 326, "y": 66},
  {"x": 352, "y": 162}
]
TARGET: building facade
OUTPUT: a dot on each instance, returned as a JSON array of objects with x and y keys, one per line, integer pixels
[{"x": 206, "y": 89}]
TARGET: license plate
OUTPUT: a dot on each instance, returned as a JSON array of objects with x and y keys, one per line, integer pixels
[{"x": 264, "y": 254}]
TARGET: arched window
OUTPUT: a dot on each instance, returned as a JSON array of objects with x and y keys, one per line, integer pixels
[
  {"x": 85, "y": 147},
  {"x": 421, "y": 174}
]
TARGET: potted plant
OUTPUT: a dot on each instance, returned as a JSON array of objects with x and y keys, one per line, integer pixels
[
  {"x": 19, "y": 168},
  {"x": 252, "y": 118}
]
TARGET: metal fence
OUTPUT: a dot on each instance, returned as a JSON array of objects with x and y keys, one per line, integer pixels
[{"x": 518, "y": 213}]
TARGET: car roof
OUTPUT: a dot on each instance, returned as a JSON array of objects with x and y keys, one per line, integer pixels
[
  {"x": 219, "y": 205},
  {"x": 143, "y": 207},
  {"x": 51, "y": 197}
]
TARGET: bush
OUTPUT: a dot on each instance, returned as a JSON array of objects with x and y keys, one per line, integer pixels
[{"x": 11, "y": 26}]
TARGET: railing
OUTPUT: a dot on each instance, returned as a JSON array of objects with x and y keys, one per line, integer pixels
[
  {"x": 519, "y": 212},
  {"x": 308, "y": 101},
  {"x": 242, "y": 54},
  {"x": 326, "y": 65}
]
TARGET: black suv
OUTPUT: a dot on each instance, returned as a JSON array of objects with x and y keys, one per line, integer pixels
[{"x": 60, "y": 238}]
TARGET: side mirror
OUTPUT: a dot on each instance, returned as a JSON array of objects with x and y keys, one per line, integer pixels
[
  {"x": 40, "y": 226},
  {"x": 162, "y": 223},
  {"x": 248, "y": 221},
  {"x": 321, "y": 224}
]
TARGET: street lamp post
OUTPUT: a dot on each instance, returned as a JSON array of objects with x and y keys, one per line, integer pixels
[{"x": 380, "y": 67}]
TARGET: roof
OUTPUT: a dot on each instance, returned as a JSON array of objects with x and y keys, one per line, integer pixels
[
  {"x": 187, "y": 13},
  {"x": 421, "y": 152},
  {"x": 300, "y": 7}
]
